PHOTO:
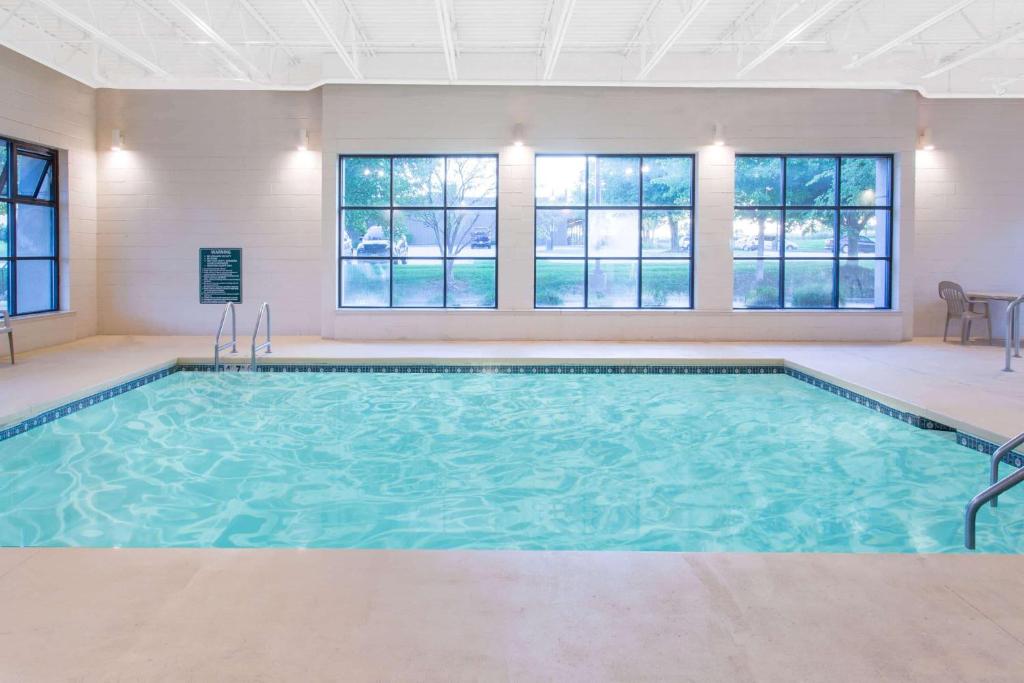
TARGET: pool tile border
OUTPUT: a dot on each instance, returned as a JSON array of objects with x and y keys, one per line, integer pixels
[
  {"x": 80, "y": 403},
  {"x": 962, "y": 438}
]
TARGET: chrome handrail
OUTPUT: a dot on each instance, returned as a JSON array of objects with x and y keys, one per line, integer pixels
[
  {"x": 264, "y": 308},
  {"x": 1013, "y": 332},
  {"x": 997, "y": 488},
  {"x": 217, "y": 346},
  {"x": 998, "y": 456}
]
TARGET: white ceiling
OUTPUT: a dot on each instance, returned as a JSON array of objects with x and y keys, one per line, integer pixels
[{"x": 939, "y": 47}]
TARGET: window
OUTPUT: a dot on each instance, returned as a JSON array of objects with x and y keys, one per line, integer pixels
[
  {"x": 28, "y": 228},
  {"x": 613, "y": 231},
  {"x": 418, "y": 231},
  {"x": 812, "y": 232}
]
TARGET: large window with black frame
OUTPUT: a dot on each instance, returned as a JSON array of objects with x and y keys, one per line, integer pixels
[
  {"x": 28, "y": 228},
  {"x": 813, "y": 231},
  {"x": 418, "y": 231},
  {"x": 613, "y": 231}
]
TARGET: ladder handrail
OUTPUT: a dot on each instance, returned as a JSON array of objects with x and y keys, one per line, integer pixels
[
  {"x": 1013, "y": 332},
  {"x": 998, "y": 456},
  {"x": 264, "y": 308},
  {"x": 997, "y": 488},
  {"x": 217, "y": 346}
]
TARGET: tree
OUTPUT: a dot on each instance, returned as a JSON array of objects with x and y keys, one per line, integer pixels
[
  {"x": 759, "y": 183},
  {"x": 669, "y": 182}
]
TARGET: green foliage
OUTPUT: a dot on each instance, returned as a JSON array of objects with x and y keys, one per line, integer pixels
[
  {"x": 758, "y": 181},
  {"x": 812, "y": 297},
  {"x": 419, "y": 181},
  {"x": 810, "y": 181},
  {"x": 668, "y": 181},
  {"x": 366, "y": 181},
  {"x": 614, "y": 181},
  {"x": 763, "y": 296}
]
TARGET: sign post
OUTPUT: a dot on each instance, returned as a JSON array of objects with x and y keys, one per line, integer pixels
[{"x": 220, "y": 276}]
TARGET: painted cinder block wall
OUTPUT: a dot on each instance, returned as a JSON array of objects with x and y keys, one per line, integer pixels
[
  {"x": 395, "y": 119},
  {"x": 42, "y": 106},
  {"x": 221, "y": 169},
  {"x": 970, "y": 204},
  {"x": 207, "y": 169}
]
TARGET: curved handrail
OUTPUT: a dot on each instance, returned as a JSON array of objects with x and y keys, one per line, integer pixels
[
  {"x": 971, "y": 513},
  {"x": 217, "y": 346},
  {"x": 264, "y": 308},
  {"x": 1013, "y": 332},
  {"x": 998, "y": 456}
]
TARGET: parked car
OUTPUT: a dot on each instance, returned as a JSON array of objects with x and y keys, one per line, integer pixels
[
  {"x": 374, "y": 242},
  {"x": 748, "y": 243},
  {"x": 480, "y": 239},
  {"x": 864, "y": 244}
]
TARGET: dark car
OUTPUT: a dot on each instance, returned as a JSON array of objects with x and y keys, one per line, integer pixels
[
  {"x": 481, "y": 239},
  {"x": 864, "y": 245}
]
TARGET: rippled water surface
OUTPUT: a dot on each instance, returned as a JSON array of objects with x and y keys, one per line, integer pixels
[{"x": 642, "y": 462}]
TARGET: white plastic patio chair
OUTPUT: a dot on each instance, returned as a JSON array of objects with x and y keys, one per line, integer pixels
[
  {"x": 960, "y": 307},
  {"x": 5, "y": 326}
]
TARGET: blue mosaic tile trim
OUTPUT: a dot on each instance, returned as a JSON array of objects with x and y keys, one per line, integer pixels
[
  {"x": 988, "y": 448},
  {"x": 967, "y": 440},
  {"x": 503, "y": 369},
  {"x": 870, "y": 403},
  {"x": 75, "y": 406}
]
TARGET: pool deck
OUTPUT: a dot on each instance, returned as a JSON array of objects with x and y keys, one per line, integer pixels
[{"x": 212, "y": 614}]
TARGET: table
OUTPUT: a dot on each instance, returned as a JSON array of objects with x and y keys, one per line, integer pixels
[{"x": 1012, "y": 333}]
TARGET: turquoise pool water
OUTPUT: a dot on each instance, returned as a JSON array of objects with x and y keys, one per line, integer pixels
[{"x": 534, "y": 461}]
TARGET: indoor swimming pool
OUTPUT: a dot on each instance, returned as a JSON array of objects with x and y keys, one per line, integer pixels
[{"x": 662, "y": 459}]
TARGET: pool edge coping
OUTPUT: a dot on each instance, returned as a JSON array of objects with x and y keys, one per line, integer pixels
[{"x": 967, "y": 435}]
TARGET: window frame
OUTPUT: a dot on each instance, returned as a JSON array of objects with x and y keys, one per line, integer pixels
[
  {"x": 390, "y": 207},
  {"x": 838, "y": 207},
  {"x": 13, "y": 199},
  {"x": 640, "y": 207}
]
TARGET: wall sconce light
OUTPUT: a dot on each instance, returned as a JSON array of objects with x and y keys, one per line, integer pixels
[
  {"x": 718, "y": 137},
  {"x": 303, "y": 140},
  {"x": 116, "y": 140},
  {"x": 517, "y": 135},
  {"x": 925, "y": 141}
]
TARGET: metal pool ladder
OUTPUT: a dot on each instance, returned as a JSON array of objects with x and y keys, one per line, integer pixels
[
  {"x": 1013, "y": 333},
  {"x": 217, "y": 346},
  {"x": 264, "y": 309},
  {"x": 996, "y": 487}
]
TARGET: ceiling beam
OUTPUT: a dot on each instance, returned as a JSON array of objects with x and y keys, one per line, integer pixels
[
  {"x": 561, "y": 27},
  {"x": 971, "y": 56},
  {"x": 187, "y": 39},
  {"x": 267, "y": 28},
  {"x": 695, "y": 9},
  {"x": 642, "y": 25},
  {"x": 336, "y": 43},
  {"x": 444, "y": 18},
  {"x": 218, "y": 40},
  {"x": 792, "y": 35},
  {"x": 102, "y": 37},
  {"x": 907, "y": 35},
  {"x": 357, "y": 28}
]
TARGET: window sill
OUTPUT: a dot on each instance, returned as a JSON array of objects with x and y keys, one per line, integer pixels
[
  {"x": 32, "y": 317},
  {"x": 877, "y": 312}
]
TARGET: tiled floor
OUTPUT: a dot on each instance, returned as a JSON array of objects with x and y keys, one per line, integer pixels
[
  {"x": 219, "y": 615},
  {"x": 481, "y": 615}
]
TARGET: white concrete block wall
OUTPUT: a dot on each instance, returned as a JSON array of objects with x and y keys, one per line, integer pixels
[
  {"x": 221, "y": 169},
  {"x": 39, "y": 105},
  {"x": 970, "y": 204},
  {"x": 208, "y": 169},
  {"x": 443, "y": 119}
]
